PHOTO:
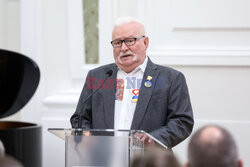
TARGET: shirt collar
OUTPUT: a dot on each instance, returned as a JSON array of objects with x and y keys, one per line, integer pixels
[{"x": 144, "y": 64}]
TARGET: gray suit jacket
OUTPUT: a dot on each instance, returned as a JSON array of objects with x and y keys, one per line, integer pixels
[{"x": 163, "y": 110}]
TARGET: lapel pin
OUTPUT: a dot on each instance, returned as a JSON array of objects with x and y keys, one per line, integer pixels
[
  {"x": 134, "y": 99},
  {"x": 149, "y": 78},
  {"x": 148, "y": 83},
  {"x": 136, "y": 93}
]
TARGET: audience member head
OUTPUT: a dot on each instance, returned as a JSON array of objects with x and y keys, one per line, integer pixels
[
  {"x": 212, "y": 146},
  {"x": 2, "y": 150},
  {"x": 7, "y": 161},
  {"x": 129, "y": 43},
  {"x": 156, "y": 157}
]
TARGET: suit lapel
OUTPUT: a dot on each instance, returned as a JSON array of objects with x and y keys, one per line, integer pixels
[
  {"x": 145, "y": 94},
  {"x": 109, "y": 100}
]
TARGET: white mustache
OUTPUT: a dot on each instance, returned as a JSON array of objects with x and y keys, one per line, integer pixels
[{"x": 126, "y": 53}]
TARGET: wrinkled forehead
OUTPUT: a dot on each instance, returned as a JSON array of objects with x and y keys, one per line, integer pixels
[{"x": 131, "y": 29}]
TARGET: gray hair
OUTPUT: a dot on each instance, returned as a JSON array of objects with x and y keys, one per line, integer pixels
[
  {"x": 156, "y": 157},
  {"x": 128, "y": 19},
  {"x": 220, "y": 153}
]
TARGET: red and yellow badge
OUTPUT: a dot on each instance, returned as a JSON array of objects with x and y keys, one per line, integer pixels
[{"x": 136, "y": 93}]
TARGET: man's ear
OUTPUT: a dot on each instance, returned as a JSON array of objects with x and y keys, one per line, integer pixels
[
  {"x": 146, "y": 42},
  {"x": 240, "y": 163},
  {"x": 186, "y": 164}
]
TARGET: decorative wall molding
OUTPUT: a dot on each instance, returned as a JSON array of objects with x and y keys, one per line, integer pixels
[
  {"x": 69, "y": 99},
  {"x": 209, "y": 29},
  {"x": 202, "y": 56},
  {"x": 75, "y": 37},
  {"x": 210, "y": 13},
  {"x": 30, "y": 45},
  {"x": 78, "y": 67},
  {"x": 185, "y": 38}
]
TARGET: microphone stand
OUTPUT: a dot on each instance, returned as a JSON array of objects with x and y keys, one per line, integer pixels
[{"x": 79, "y": 129}]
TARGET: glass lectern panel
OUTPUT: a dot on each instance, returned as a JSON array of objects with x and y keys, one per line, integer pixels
[{"x": 99, "y": 148}]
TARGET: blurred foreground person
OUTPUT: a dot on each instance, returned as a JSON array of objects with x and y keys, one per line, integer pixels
[
  {"x": 2, "y": 151},
  {"x": 213, "y": 146},
  {"x": 156, "y": 157},
  {"x": 5, "y": 160}
]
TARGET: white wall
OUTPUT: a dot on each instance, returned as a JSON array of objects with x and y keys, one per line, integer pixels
[
  {"x": 10, "y": 25},
  {"x": 209, "y": 42}
]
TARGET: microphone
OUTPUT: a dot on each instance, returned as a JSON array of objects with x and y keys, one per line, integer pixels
[
  {"x": 109, "y": 73},
  {"x": 78, "y": 131}
]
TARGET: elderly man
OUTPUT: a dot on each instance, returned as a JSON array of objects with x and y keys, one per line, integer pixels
[
  {"x": 134, "y": 93},
  {"x": 213, "y": 146}
]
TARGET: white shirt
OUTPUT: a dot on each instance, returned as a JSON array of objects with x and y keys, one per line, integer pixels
[{"x": 125, "y": 108}]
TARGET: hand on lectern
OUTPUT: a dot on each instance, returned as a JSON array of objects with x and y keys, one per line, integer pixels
[
  {"x": 148, "y": 141},
  {"x": 79, "y": 134}
]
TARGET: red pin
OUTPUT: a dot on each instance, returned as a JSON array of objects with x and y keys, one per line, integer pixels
[{"x": 136, "y": 91}]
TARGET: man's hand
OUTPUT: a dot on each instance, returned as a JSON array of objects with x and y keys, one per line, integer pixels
[{"x": 148, "y": 142}]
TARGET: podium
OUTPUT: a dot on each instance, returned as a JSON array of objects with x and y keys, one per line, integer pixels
[{"x": 101, "y": 148}]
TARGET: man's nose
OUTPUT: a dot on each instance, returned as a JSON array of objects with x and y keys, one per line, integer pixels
[{"x": 124, "y": 47}]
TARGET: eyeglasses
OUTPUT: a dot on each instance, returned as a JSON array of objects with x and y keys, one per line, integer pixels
[{"x": 128, "y": 41}]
